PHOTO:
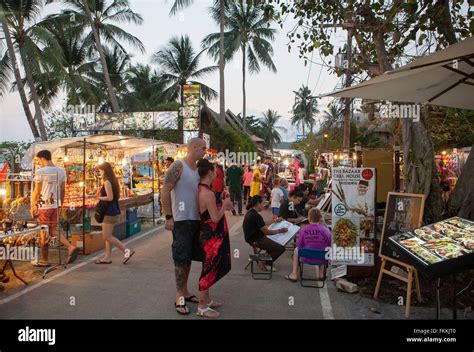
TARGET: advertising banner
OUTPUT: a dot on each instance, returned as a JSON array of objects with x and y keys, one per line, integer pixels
[{"x": 353, "y": 216}]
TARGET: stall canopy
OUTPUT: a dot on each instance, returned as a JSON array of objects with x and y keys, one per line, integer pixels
[
  {"x": 132, "y": 145},
  {"x": 444, "y": 78}
]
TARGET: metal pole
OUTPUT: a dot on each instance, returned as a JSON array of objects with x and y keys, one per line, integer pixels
[
  {"x": 153, "y": 181},
  {"x": 84, "y": 198},
  {"x": 396, "y": 167}
]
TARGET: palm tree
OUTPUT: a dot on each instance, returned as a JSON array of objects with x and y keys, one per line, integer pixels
[
  {"x": 37, "y": 49},
  {"x": 100, "y": 16},
  {"x": 333, "y": 117},
  {"x": 144, "y": 89},
  {"x": 304, "y": 109},
  {"x": 248, "y": 32},
  {"x": 180, "y": 64},
  {"x": 5, "y": 69},
  {"x": 180, "y": 4},
  {"x": 268, "y": 125},
  {"x": 9, "y": 61},
  {"x": 78, "y": 80},
  {"x": 118, "y": 65}
]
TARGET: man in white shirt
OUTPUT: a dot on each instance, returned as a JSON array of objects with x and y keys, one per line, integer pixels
[{"x": 48, "y": 196}]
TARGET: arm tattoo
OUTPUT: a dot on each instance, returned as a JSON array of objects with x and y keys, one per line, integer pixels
[{"x": 172, "y": 176}]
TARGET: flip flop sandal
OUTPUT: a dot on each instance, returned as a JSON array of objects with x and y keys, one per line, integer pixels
[
  {"x": 73, "y": 256},
  {"x": 98, "y": 261},
  {"x": 202, "y": 311},
  {"x": 130, "y": 253},
  {"x": 181, "y": 306},
  {"x": 191, "y": 299},
  {"x": 287, "y": 277},
  {"x": 214, "y": 305}
]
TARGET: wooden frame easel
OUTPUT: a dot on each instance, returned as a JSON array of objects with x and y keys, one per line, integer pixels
[{"x": 412, "y": 272}]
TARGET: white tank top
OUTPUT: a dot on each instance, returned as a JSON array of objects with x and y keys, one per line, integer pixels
[{"x": 184, "y": 195}]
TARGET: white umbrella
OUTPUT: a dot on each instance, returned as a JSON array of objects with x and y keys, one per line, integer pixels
[{"x": 444, "y": 78}]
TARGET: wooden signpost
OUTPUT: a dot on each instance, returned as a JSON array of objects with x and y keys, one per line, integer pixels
[{"x": 404, "y": 211}]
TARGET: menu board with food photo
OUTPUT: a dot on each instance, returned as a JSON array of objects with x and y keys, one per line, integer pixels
[
  {"x": 191, "y": 108},
  {"x": 109, "y": 121},
  {"x": 143, "y": 120},
  {"x": 353, "y": 213},
  {"x": 165, "y": 120},
  {"x": 83, "y": 122},
  {"x": 191, "y": 124},
  {"x": 438, "y": 242}
]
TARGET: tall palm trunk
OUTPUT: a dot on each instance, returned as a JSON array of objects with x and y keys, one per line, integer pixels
[
  {"x": 35, "y": 98},
  {"x": 100, "y": 49},
  {"x": 243, "y": 89},
  {"x": 16, "y": 71},
  {"x": 221, "y": 64}
]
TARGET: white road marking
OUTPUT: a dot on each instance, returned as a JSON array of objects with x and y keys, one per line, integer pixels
[
  {"x": 326, "y": 303},
  {"x": 75, "y": 267}
]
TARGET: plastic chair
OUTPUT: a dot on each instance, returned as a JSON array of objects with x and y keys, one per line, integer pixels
[{"x": 309, "y": 253}]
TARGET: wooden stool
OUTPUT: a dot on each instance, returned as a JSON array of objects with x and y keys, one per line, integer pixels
[{"x": 412, "y": 275}]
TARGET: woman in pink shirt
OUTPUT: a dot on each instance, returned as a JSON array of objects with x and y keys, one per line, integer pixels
[
  {"x": 247, "y": 181},
  {"x": 314, "y": 236}
]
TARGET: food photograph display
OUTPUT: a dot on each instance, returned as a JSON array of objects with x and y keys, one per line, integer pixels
[{"x": 439, "y": 244}]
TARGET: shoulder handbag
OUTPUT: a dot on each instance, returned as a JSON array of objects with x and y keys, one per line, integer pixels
[{"x": 100, "y": 211}]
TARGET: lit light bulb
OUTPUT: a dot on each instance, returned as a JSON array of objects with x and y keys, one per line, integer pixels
[
  {"x": 443, "y": 152},
  {"x": 66, "y": 159},
  {"x": 81, "y": 184},
  {"x": 124, "y": 162},
  {"x": 355, "y": 157},
  {"x": 101, "y": 160},
  {"x": 3, "y": 192}
]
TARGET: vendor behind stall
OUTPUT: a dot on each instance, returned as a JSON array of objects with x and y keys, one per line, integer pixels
[{"x": 136, "y": 177}]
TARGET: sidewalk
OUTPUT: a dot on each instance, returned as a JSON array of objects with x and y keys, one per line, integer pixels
[{"x": 145, "y": 289}]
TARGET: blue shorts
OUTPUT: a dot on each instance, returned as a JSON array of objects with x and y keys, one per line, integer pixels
[{"x": 276, "y": 211}]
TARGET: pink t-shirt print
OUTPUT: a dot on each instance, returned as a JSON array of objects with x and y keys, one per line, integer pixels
[
  {"x": 314, "y": 236},
  {"x": 248, "y": 178}
]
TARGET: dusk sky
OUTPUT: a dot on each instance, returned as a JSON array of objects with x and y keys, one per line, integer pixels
[{"x": 264, "y": 90}]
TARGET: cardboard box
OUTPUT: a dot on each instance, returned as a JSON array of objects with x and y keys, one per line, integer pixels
[{"x": 93, "y": 241}]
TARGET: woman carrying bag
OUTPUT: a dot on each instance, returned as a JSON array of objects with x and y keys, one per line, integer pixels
[{"x": 108, "y": 209}]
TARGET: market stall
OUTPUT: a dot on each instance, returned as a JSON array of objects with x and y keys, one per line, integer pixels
[
  {"x": 80, "y": 157},
  {"x": 438, "y": 250},
  {"x": 19, "y": 232}
]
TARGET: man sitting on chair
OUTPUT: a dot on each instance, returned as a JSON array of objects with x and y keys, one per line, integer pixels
[
  {"x": 314, "y": 236},
  {"x": 256, "y": 230}
]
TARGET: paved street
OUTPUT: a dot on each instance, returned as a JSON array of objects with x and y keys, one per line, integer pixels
[{"x": 145, "y": 289}]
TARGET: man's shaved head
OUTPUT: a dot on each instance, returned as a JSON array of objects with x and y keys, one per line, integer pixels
[{"x": 196, "y": 148}]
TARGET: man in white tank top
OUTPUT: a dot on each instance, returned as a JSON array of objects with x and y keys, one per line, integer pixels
[{"x": 180, "y": 205}]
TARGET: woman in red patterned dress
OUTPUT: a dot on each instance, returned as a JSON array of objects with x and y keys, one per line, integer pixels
[{"x": 213, "y": 238}]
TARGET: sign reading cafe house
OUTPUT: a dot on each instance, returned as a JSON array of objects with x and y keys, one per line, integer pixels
[{"x": 353, "y": 216}]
